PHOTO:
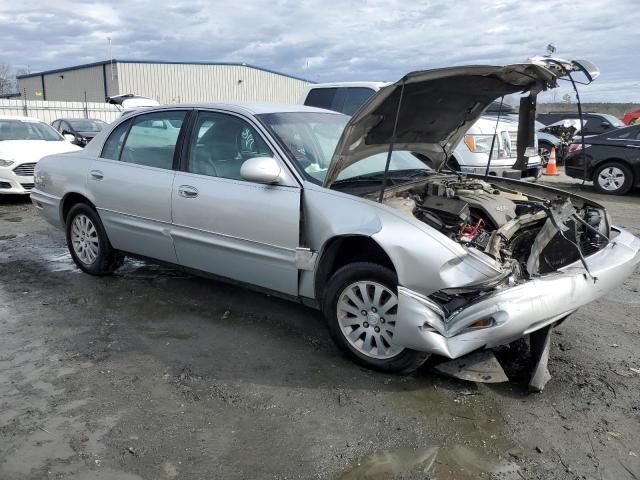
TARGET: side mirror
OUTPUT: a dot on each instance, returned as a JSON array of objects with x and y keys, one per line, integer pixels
[
  {"x": 69, "y": 138},
  {"x": 605, "y": 125},
  {"x": 261, "y": 170}
]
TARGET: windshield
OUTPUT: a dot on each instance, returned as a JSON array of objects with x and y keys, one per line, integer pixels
[
  {"x": 616, "y": 122},
  {"x": 311, "y": 138},
  {"x": 27, "y": 130},
  {"x": 83, "y": 125}
]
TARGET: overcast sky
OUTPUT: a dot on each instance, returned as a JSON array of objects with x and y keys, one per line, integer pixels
[{"x": 331, "y": 40}]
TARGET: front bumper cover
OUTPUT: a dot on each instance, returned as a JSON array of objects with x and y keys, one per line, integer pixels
[
  {"x": 514, "y": 312},
  {"x": 10, "y": 183}
]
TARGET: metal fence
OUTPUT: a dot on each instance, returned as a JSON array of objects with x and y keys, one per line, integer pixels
[{"x": 48, "y": 111}]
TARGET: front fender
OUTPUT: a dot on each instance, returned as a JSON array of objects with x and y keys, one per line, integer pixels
[{"x": 424, "y": 259}]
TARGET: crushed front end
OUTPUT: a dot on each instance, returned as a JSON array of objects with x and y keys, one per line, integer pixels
[{"x": 557, "y": 253}]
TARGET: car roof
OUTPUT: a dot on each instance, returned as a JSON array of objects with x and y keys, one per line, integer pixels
[
  {"x": 76, "y": 118},
  {"x": 572, "y": 113},
  {"x": 254, "y": 108},
  {"x": 373, "y": 85},
  {"x": 17, "y": 117}
]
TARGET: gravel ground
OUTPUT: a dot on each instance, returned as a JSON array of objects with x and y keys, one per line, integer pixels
[{"x": 156, "y": 374}]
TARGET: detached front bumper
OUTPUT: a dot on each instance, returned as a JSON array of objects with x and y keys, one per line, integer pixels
[{"x": 514, "y": 312}]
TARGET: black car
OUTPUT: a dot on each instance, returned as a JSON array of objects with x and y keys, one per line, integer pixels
[
  {"x": 594, "y": 123},
  {"x": 83, "y": 129},
  {"x": 613, "y": 160}
]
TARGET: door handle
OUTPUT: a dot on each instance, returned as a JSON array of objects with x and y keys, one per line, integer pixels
[
  {"x": 96, "y": 174},
  {"x": 187, "y": 191}
]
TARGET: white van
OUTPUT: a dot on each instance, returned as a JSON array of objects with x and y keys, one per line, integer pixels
[{"x": 471, "y": 155}]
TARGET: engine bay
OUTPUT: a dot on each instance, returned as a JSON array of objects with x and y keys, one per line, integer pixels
[{"x": 528, "y": 233}]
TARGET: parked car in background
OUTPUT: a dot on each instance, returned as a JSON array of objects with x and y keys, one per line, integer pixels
[
  {"x": 343, "y": 97},
  {"x": 612, "y": 160},
  {"x": 557, "y": 135},
  {"x": 82, "y": 129},
  {"x": 293, "y": 199},
  {"x": 470, "y": 156},
  {"x": 631, "y": 116},
  {"x": 23, "y": 142},
  {"x": 594, "y": 123},
  {"x": 547, "y": 141}
]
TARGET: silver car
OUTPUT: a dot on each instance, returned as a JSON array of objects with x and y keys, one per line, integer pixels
[{"x": 290, "y": 199}]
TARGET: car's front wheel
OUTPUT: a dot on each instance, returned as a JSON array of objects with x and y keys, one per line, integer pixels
[
  {"x": 613, "y": 178},
  {"x": 88, "y": 243},
  {"x": 361, "y": 305}
]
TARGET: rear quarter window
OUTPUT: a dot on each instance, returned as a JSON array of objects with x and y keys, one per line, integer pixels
[{"x": 113, "y": 145}]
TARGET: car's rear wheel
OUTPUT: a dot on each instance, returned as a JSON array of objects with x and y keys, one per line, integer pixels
[
  {"x": 613, "y": 178},
  {"x": 88, "y": 243},
  {"x": 360, "y": 305}
]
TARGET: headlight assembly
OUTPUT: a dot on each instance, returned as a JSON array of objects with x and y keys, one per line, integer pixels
[
  {"x": 6, "y": 163},
  {"x": 480, "y": 143}
]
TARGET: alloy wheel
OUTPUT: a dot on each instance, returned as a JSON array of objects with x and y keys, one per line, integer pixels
[
  {"x": 611, "y": 179},
  {"x": 366, "y": 313},
  {"x": 84, "y": 239}
]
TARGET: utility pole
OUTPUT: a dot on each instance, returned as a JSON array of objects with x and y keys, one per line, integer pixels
[{"x": 110, "y": 58}]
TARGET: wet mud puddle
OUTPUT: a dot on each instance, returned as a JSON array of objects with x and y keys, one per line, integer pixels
[{"x": 456, "y": 462}]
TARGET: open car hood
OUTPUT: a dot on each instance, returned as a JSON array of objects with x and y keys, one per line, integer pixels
[{"x": 438, "y": 107}]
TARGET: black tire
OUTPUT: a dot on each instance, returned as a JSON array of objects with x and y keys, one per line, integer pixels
[
  {"x": 107, "y": 259},
  {"x": 403, "y": 362},
  {"x": 625, "y": 185}
]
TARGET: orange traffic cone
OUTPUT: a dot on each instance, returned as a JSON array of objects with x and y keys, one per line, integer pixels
[{"x": 551, "y": 165}]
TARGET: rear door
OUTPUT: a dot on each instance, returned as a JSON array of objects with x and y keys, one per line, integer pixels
[
  {"x": 132, "y": 181},
  {"x": 226, "y": 225}
]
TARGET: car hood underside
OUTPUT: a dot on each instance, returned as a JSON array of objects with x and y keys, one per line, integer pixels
[{"x": 437, "y": 108}]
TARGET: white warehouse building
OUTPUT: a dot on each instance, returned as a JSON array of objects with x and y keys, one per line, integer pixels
[{"x": 166, "y": 82}]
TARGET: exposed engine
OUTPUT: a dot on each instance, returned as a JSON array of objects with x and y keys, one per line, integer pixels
[{"x": 527, "y": 233}]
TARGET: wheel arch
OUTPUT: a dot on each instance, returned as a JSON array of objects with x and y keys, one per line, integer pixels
[
  {"x": 69, "y": 200},
  {"x": 341, "y": 250}
]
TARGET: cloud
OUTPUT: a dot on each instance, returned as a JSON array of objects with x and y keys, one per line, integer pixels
[{"x": 330, "y": 40}]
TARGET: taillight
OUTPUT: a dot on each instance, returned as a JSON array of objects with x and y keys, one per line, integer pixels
[{"x": 574, "y": 147}]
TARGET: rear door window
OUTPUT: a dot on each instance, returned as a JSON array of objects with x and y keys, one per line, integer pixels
[
  {"x": 321, "y": 97},
  {"x": 152, "y": 139},
  {"x": 628, "y": 134}
]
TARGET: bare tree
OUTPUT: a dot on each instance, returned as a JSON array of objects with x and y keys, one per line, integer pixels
[
  {"x": 7, "y": 79},
  {"x": 566, "y": 98}
]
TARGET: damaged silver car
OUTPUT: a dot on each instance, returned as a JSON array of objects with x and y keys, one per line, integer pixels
[{"x": 358, "y": 217}]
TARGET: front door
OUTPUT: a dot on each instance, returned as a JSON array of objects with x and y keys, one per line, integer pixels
[
  {"x": 131, "y": 184},
  {"x": 226, "y": 225}
]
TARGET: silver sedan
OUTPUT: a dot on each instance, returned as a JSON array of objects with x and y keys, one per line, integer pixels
[{"x": 358, "y": 217}]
